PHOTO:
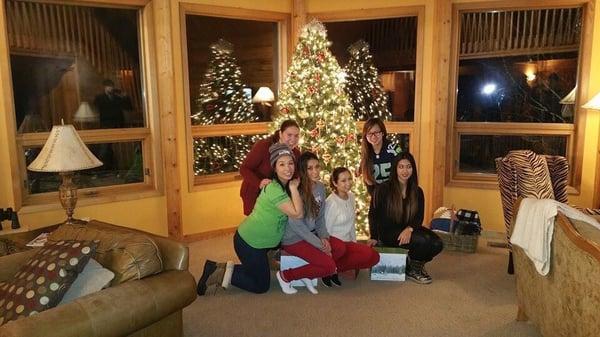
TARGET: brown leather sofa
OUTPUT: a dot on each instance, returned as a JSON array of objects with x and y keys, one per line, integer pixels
[
  {"x": 565, "y": 302},
  {"x": 150, "y": 306}
]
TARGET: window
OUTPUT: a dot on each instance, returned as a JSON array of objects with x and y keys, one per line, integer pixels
[
  {"x": 80, "y": 65},
  {"x": 514, "y": 86},
  {"x": 393, "y": 37},
  {"x": 234, "y": 57}
]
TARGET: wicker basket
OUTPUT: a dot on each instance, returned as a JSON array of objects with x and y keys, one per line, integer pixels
[{"x": 460, "y": 243}]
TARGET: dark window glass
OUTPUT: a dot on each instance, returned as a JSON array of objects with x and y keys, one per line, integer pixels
[
  {"x": 478, "y": 152},
  {"x": 393, "y": 44},
  {"x": 122, "y": 164},
  {"x": 229, "y": 60},
  {"x": 74, "y": 63}
]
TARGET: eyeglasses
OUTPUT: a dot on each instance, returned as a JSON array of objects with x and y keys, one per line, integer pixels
[{"x": 374, "y": 133}]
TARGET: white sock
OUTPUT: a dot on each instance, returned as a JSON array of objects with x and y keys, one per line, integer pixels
[
  {"x": 228, "y": 274},
  {"x": 286, "y": 287},
  {"x": 309, "y": 285}
]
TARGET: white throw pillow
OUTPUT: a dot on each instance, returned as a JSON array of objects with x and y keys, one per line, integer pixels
[{"x": 93, "y": 278}]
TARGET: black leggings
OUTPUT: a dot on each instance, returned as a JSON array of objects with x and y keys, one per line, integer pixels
[
  {"x": 424, "y": 244},
  {"x": 254, "y": 274}
]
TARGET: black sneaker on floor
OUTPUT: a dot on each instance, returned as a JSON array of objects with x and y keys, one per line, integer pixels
[
  {"x": 335, "y": 280},
  {"x": 209, "y": 268},
  {"x": 327, "y": 281},
  {"x": 418, "y": 277}
]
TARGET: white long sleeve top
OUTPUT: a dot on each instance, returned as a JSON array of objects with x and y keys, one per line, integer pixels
[{"x": 340, "y": 217}]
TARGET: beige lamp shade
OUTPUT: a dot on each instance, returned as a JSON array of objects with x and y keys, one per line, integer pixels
[
  {"x": 263, "y": 95},
  {"x": 594, "y": 103},
  {"x": 85, "y": 114},
  {"x": 570, "y": 98},
  {"x": 64, "y": 151}
]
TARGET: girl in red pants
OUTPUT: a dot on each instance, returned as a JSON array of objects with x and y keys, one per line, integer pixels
[
  {"x": 340, "y": 218},
  {"x": 308, "y": 238}
]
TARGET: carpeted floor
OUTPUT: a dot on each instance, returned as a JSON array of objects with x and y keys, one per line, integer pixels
[{"x": 471, "y": 296}]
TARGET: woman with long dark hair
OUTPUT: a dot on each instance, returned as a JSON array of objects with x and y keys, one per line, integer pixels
[
  {"x": 396, "y": 218},
  {"x": 260, "y": 231},
  {"x": 377, "y": 154},
  {"x": 256, "y": 169}
]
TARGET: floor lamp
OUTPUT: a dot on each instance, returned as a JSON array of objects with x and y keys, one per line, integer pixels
[{"x": 65, "y": 153}]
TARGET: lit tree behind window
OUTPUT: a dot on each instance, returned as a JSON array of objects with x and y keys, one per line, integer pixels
[{"x": 363, "y": 86}]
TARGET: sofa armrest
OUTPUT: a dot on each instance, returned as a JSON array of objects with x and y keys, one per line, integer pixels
[
  {"x": 116, "y": 311},
  {"x": 10, "y": 264}
]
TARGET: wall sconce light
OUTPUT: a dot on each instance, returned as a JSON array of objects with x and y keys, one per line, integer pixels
[
  {"x": 264, "y": 96},
  {"x": 11, "y": 215}
]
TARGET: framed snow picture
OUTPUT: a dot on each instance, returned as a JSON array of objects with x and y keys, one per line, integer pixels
[{"x": 391, "y": 266}]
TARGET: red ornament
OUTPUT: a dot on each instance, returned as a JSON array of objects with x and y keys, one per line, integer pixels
[
  {"x": 340, "y": 140},
  {"x": 314, "y": 133},
  {"x": 318, "y": 77},
  {"x": 285, "y": 110},
  {"x": 311, "y": 89},
  {"x": 351, "y": 137},
  {"x": 320, "y": 56}
]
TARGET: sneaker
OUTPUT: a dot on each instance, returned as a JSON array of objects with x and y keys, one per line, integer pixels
[
  {"x": 212, "y": 277},
  {"x": 309, "y": 285},
  {"x": 418, "y": 276},
  {"x": 286, "y": 287},
  {"x": 327, "y": 281},
  {"x": 335, "y": 280}
]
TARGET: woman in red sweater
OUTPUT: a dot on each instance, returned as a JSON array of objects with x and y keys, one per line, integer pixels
[{"x": 256, "y": 169}]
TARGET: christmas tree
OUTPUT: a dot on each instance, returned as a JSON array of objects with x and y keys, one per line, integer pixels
[
  {"x": 363, "y": 86},
  {"x": 221, "y": 100},
  {"x": 313, "y": 95}
]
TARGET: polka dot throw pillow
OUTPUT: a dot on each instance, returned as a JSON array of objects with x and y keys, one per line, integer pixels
[{"x": 42, "y": 282}]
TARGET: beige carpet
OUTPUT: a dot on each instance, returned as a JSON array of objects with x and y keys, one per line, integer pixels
[{"x": 471, "y": 296}]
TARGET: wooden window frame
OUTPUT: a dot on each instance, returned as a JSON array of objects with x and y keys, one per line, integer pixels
[
  {"x": 152, "y": 184},
  {"x": 409, "y": 128},
  {"x": 195, "y": 182},
  {"x": 575, "y": 132}
]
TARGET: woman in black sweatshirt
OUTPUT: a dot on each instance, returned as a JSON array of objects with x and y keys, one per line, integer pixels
[{"x": 396, "y": 218}]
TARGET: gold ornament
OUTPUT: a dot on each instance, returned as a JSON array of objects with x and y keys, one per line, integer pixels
[
  {"x": 326, "y": 157},
  {"x": 320, "y": 124}
]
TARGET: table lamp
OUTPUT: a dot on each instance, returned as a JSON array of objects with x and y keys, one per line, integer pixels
[
  {"x": 64, "y": 153},
  {"x": 264, "y": 96}
]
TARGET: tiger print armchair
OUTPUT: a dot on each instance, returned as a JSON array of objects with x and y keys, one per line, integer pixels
[{"x": 525, "y": 174}]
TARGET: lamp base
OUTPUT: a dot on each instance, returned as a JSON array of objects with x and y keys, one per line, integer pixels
[{"x": 67, "y": 193}]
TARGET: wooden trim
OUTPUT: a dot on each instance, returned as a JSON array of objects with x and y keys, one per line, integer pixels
[
  {"x": 89, "y": 196},
  {"x": 596, "y": 192},
  {"x": 237, "y": 129},
  {"x": 516, "y": 5},
  {"x": 9, "y": 111},
  {"x": 582, "y": 243},
  {"x": 89, "y": 136},
  {"x": 439, "y": 101},
  {"x": 168, "y": 119},
  {"x": 514, "y": 128},
  {"x": 299, "y": 18},
  {"x": 97, "y": 3},
  {"x": 231, "y": 12},
  {"x": 369, "y": 13},
  {"x": 207, "y": 235},
  {"x": 575, "y": 132},
  {"x": 217, "y": 178}
]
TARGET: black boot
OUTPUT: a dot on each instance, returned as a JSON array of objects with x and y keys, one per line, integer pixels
[{"x": 415, "y": 272}]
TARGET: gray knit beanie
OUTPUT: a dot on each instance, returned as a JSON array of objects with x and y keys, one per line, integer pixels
[{"x": 277, "y": 151}]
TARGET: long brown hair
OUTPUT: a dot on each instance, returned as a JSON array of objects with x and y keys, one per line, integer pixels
[
  {"x": 306, "y": 185},
  {"x": 284, "y": 125},
  {"x": 366, "y": 149},
  {"x": 395, "y": 203}
]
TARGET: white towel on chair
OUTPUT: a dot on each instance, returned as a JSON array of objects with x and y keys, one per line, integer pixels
[{"x": 534, "y": 227}]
